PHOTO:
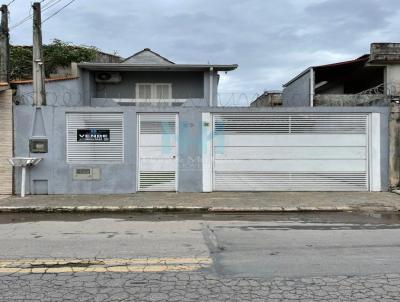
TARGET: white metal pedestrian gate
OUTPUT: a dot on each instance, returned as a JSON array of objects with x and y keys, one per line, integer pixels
[
  {"x": 291, "y": 152},
  {"x": 157, "y": 152}
]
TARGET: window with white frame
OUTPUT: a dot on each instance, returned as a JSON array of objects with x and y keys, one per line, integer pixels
[{"x": 153, "y": 91}]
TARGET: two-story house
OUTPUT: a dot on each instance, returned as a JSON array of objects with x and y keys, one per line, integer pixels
[
  {"x": 148, "y": 124},
  {"x": 147, "y": 77},
  {"x": 118, "y": 127}
]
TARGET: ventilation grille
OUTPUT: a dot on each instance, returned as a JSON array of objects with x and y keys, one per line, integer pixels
[
  {"x": 157, "y": 181},
  {"x": 112, "y": 151},
  {"x": 157, "y": 124},
  {"x": 290, "y": 123},
  {"x": 289, "y": 181}
]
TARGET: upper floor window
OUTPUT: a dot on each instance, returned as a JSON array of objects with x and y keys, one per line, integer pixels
[{"x": 153, "y": 91}]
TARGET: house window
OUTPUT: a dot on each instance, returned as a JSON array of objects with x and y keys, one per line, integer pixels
[
  {"x": 143, "y": 91},
  {"x": 95, "y": 137},
  {"x": 154, "y": 91}
]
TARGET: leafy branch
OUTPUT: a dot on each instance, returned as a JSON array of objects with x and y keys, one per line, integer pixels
[{"x": 56, "y": 54}]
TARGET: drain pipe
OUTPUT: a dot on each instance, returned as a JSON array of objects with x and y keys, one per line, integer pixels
[
  {"x": 211, "y": 86},
  {"x": 312, "y": 82}
]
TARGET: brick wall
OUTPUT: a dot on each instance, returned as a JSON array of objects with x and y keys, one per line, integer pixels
[{"x": 6, "y": 143}]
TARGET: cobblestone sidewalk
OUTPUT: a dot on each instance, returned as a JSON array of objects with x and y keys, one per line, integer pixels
[{"x": 193, "y": 286}]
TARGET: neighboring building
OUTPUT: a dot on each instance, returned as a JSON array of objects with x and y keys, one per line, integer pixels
[
  {"x": 268, "y": 99},
  {"x": 148, "y": 124},
  {"x": 6, "y": 146},
  {"x": 368, "y": 80},
  {"x": 101, "y": 57}
]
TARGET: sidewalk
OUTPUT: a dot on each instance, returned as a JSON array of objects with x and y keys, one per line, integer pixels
[{"x": 206, "y": 202}]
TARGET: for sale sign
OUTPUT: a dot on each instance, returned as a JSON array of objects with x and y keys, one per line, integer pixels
[{"x": 93, "y": 135}]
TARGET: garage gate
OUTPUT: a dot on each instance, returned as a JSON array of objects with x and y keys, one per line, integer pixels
[{"x": 292, "y": 152}]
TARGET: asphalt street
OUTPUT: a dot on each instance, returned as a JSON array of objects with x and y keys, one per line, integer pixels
[{"x": 176, "y": 257}]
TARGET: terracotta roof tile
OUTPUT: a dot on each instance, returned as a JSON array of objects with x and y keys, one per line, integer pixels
[{"x": 21, "y": 82}]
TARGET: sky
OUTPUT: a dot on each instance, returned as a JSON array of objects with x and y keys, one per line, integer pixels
[{"x": 270, "y": 40}]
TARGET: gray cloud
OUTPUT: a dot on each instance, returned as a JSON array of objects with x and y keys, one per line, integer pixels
[{"x": 270, "y": 40}]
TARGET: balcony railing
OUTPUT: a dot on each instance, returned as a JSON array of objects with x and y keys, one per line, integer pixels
[{"x": 144, "y": 102}]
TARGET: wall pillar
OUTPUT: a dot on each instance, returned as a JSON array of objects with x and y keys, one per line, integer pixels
[
  {"x": 6, "y": 146},
  {"x": 394, "y": 145},
  {"x": 392, "y": 90}
]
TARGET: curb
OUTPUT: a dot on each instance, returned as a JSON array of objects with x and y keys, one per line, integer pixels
[
  {"x": 101, "y": 209},
  {"x": 186, "y": 209},
  {"x": 396, "y": 192}
]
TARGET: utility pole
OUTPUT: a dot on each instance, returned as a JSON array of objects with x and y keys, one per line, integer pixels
[
  {"x": 39, "y": 92},
  {"x": 4, "y": 46}
]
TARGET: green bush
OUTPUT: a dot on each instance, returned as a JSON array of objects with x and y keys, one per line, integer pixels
[
  {"x": 20, "y": 62},
  {"x": 56, "y": 54}
]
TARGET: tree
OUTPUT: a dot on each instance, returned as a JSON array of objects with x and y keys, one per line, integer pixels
[
  {"x": 20, "y": 62},
  {"x": 56, "y": 54}
]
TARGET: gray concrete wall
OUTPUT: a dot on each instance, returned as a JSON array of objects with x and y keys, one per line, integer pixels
[
  {"x": 385, "y": 53},
  {"x": 87, "y": 86},
  {"x": 185, "y": 85},
  {"x": 111, "y": 102},
  {"x": 350, "y": 100},
  {"x": 58, "y": 93},
  {"x": 115, "y": 178},
  {"x": 297, "y": 93},
  {"x": 392, "y": 79},
  {"x": 215, "y": 81},
  {"x": 192, "y": 86},
  {"x": 54, "y": 167},
  {"x": 268, "y": 100},
  {"x": 190, "y": 151},
  {"x": 121, "y": 178}
]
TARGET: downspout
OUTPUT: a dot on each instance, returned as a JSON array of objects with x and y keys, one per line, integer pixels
[
  {"x": 311, "y": 87},
  {"x": 211, "y": 86}
]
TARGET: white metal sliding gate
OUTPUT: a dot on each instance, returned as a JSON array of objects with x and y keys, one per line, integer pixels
[
  {"x": 157, "y": 152},
  {"x": 291, "y": 152}
]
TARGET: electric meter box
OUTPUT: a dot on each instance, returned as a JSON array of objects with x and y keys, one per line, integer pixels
[{"x": 38, "y": 145}]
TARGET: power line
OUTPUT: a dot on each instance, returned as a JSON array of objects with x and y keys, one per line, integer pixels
[
  {"x": 21, "y": 22},
  {"x": 9, "y": 3},
  {"x": 48, "y": 5},
  {"x": 55, "y": 13}
]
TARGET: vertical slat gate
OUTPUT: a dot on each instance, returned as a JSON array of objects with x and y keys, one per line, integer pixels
[
  {"x": 290, "y": 152},
  {"x": 157, "y": 152}
]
